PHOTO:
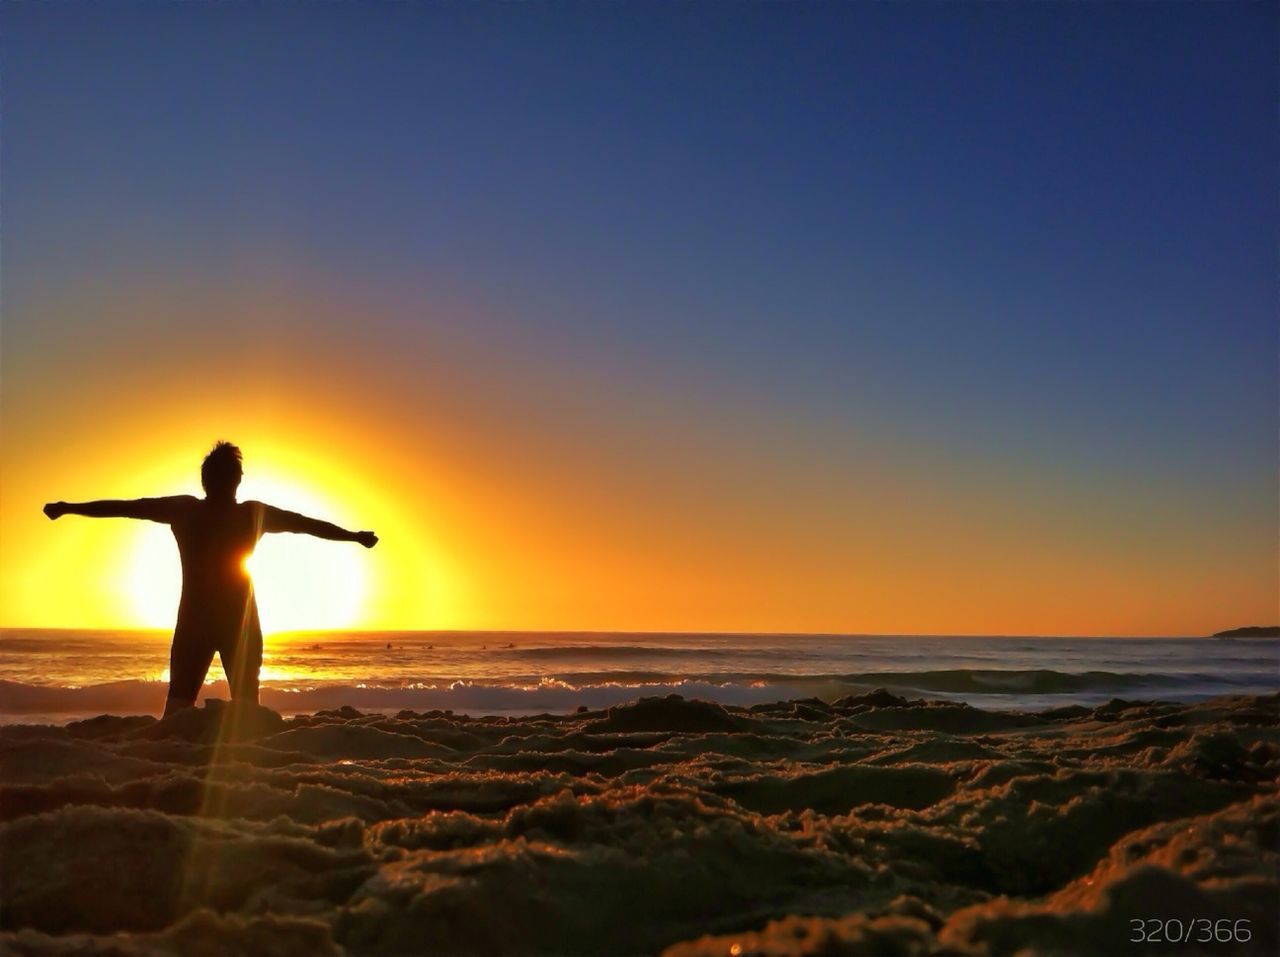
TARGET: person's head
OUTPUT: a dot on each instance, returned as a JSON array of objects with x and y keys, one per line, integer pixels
[{"x": 221, "y": 472}]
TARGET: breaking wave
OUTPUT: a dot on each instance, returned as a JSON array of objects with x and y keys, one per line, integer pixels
[{"x": 567, "y": 692}]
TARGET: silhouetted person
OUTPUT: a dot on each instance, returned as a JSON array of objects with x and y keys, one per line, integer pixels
[{"x": 216, "y": 534}]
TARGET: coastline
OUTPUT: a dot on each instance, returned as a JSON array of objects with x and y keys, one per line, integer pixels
[{"x": 926, "y": 826}]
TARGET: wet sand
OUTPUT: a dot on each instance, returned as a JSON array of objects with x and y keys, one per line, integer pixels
[{"x": 670, "y": 826}]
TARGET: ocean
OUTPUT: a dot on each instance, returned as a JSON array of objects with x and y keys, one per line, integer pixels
[{"x": 60, "y": 675}]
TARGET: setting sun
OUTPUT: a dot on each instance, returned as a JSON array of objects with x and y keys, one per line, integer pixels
[{"x": 300, "y": 582}]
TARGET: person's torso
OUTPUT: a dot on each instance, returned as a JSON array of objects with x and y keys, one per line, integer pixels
[{"x": 214, "y": 540}]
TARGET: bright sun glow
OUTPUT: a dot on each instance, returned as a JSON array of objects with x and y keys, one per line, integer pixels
[{"x": 301, "y": 582}]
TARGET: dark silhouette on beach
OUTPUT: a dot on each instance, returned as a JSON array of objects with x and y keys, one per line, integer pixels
[{"x": 216, "y": 534}]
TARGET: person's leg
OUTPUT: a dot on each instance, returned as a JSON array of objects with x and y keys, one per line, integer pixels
[
  {"x": 242, "y": 659},
  {"x": 189, "y": 660}
]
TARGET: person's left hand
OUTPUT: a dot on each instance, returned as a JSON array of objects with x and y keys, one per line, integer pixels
[
  {"x": 367, "y": 539},
  {"x": 56, "y": 509}
]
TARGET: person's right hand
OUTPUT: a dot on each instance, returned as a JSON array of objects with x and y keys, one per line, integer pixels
[
  {"x": 367, "y": 539},
  {"x": 56, "y": 509}
]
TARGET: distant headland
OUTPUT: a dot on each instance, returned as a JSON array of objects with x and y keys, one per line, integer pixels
[{"x": 1252, "y": 631}]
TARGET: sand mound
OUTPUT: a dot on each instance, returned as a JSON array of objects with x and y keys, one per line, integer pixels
[
  {"x": 869, "y": 825},
  {"x": 353, "y": 741},
  {"x": 672, "y": 713}
]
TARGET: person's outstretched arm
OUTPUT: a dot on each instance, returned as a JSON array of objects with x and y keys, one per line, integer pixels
[
  {"x": 151, "y": 509},
  {"x": 279, "y": 520}
]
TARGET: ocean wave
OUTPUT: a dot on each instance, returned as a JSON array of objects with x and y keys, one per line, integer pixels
[
  {"x": 618, "y": 651},
  {"x": 566, "y": 692},
  {"x": 1034, "y": 681},
  {"x": 460, "y": 696}
]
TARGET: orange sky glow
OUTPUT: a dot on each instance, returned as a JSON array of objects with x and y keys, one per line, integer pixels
[{"x": 511, "y": 491}]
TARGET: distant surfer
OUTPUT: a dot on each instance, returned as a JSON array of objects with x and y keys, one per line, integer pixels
[{"x": 215, "y": 534}]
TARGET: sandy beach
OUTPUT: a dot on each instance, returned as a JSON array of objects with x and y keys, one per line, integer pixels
[{"x": 872, "y": 824}]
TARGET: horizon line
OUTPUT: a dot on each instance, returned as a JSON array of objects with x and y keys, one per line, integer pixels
[{"x": 633, "y": 631}]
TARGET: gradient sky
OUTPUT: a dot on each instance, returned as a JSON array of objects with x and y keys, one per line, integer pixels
[{"x": 899, "y": 318}]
